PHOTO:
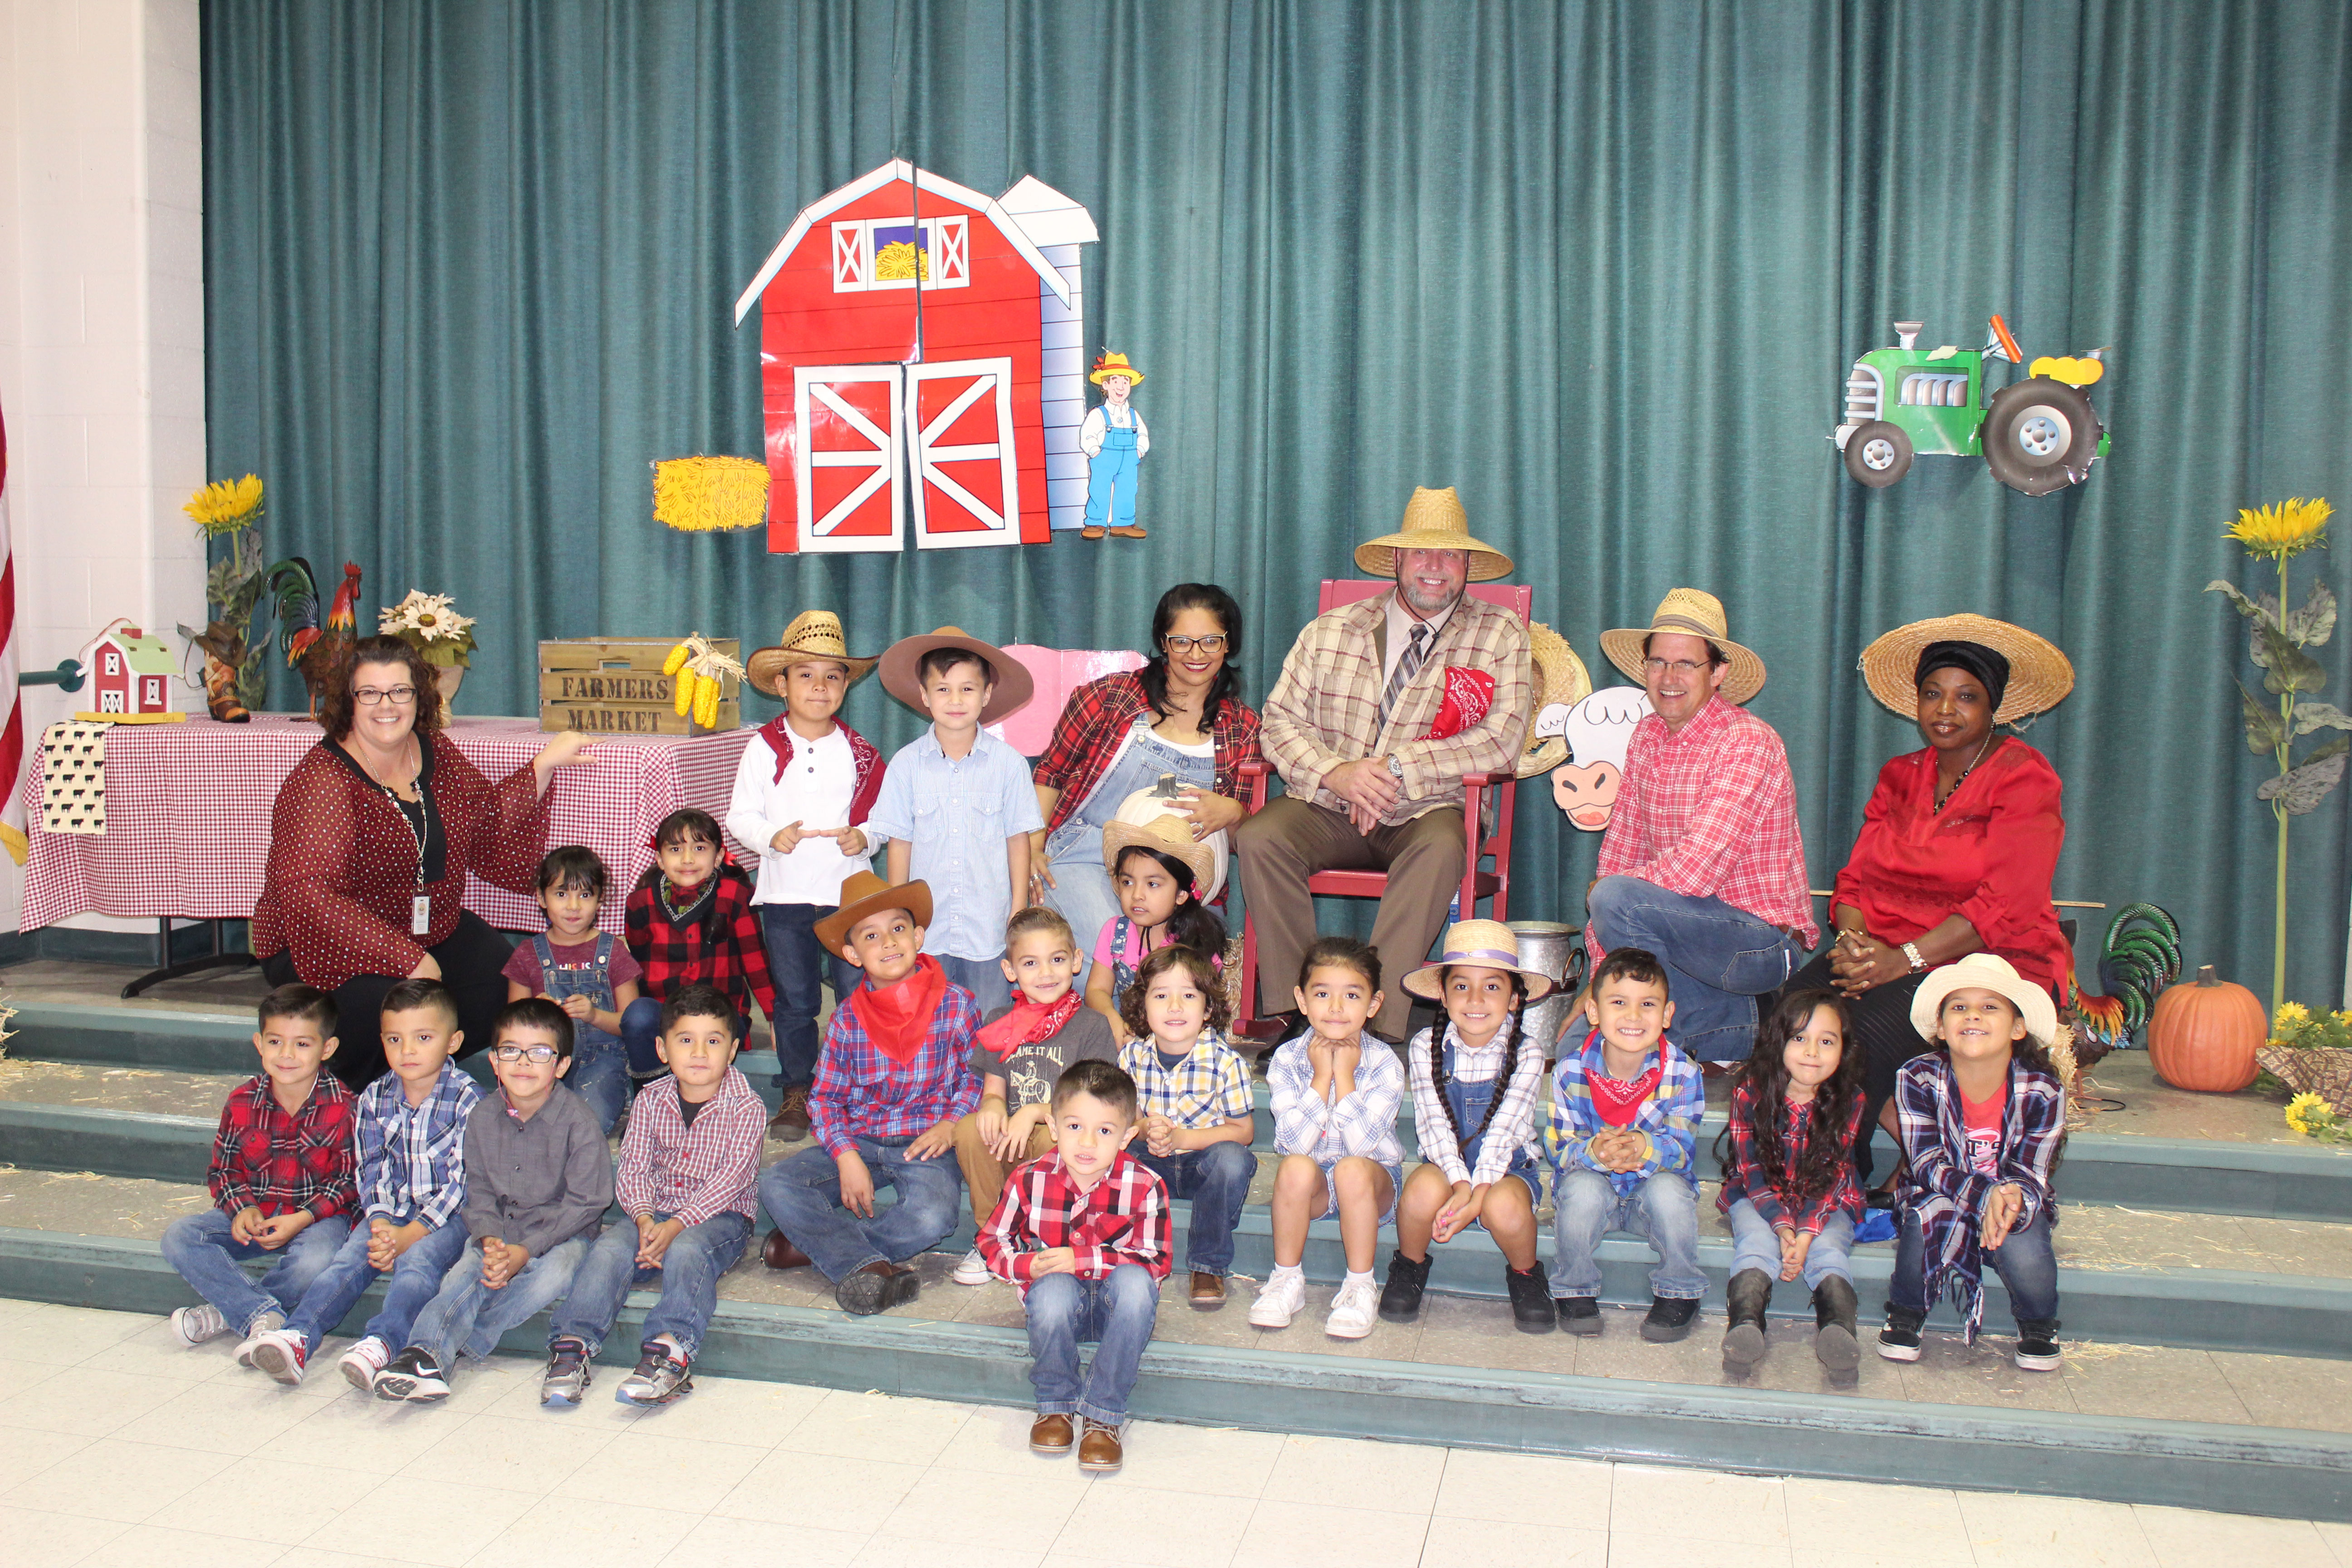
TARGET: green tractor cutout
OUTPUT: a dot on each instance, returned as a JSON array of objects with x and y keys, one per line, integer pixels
[{"x": 2037, "y": 436}]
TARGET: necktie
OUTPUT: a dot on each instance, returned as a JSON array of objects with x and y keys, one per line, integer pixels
[{"x": 1408, "y": 664}]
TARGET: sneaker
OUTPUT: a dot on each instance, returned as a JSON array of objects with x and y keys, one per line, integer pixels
[
  {"x": 268, "y": 1323},
  {"x": 1532, "y": 1311},
  {"x": 1400, "y": 1297},
  {"x": 2037, "y": 1347},
  {"x": 1353, "y": 1310},
  {"x": 973, "y": 1269},
  {"x": 1578, "y": 1314},
  {"x": 1278, "y": 1301},
  {"x": 364, "y": 1360},
  {"x": 567, "y": 1377},
  {"x": 1669, "y": 1318},
  {"x": 661, "y": 1376},
  {"x": 196, "y": 1325},
  {"x": 413, "y": 1375},
  {"x": 1899, "y": 1340},
  {"x": 281, "y": 1352}
]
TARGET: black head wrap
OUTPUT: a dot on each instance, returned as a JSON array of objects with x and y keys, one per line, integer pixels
[{"x": 1988, "y": 665}]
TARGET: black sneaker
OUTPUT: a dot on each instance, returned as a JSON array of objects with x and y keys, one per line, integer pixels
[
  {"x": 1899, "y": 1340},
  {"x": 1578, "y": 1314},
  {"x": 414, "y": 1376},
  {"x": 1532, "y": 1311},
  {"x": 1400, "y": 1297},
  {"x": 2037, "y": 1345},
  {"x": 1669, "y": 1318}
]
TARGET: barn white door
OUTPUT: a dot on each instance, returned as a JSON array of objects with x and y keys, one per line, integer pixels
[
  {"x": 849, "y": 457},
  {"x": 967, "y": 489}
]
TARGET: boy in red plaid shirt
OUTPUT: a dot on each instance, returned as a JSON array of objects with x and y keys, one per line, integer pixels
[
  {"x": 1084, "y": 1232},
  {"x": 689, "y": 921}
]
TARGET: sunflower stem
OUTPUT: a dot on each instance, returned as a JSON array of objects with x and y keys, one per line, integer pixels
[{"x": 2278, "y": 809}]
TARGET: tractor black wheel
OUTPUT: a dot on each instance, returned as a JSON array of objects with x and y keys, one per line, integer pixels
[
  {"x": 1878, "y": 453},
  {"x": 2039, "y": 436}
]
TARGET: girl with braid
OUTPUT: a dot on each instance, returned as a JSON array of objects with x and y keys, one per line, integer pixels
[{"x": 1474, "y": 1082}]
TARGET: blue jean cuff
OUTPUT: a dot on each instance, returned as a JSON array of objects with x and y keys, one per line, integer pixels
[{"x": 1101, "y": 1417}]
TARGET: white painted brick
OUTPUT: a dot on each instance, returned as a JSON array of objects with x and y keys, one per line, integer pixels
[
  {"x": 178, "y": 387},
  {"x": 175, "y": 34}
]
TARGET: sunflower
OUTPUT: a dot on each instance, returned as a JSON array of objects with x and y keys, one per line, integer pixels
[
  {"x": 2291, "y": 1016},
  {"x": 225, "y": 505},
  {"x": 2280, "y": 531},
  {"x": 2302, "y": 1107}
]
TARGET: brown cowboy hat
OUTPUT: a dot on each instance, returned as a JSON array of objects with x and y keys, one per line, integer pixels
[
  {"x": 1433, "y": 519},
  {"x": 813, "y": 635},
  {"x": 902, "y": 660},
  {"x": 864, "y": 893},
  {"x": 1693, "y": 614}
]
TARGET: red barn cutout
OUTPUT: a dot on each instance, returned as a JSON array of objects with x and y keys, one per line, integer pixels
[{"x": 922, "y": 366}]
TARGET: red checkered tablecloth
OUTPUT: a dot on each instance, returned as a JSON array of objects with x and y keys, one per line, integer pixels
[{"x": 188, "y": 805}]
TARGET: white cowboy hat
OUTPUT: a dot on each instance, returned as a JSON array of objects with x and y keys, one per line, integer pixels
[
  {"x": 1144, "y": 818},
  {"x": 1986, "y": 971}
]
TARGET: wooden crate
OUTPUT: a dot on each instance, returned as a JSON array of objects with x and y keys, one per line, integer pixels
[{"x": 615, "y": 686}]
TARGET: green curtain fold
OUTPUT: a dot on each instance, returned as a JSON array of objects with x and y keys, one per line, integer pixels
[{"x": 471, "y": 270}]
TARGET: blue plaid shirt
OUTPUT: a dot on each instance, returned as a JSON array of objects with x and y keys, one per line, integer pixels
[
  {"x": 861, "y": 1093},
  {"x": 412, "y": 1158},
  {"x": 1670, "y": 1115},
  {"x": 958, "y": 816}
]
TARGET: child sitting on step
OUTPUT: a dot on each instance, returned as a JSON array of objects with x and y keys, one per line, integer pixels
[
  {"x": 1981, "y": 1119},
  {"x": 582, "y": 970},
  {"x": 690, "y": 921},
  {"x": 1159, "y": 870},
  {"x": 1789, "y": 1184},
  {"x": 1474, "y": 1081}
]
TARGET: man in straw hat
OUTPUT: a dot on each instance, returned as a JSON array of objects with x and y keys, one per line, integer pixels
[
  {"x": 1382, "y": 707},
  {"x": 1703, "y": 864},
  {"x": 1114, "y": 440}
]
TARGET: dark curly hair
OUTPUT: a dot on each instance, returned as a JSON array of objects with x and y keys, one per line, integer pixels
[
  {"x": 337, "y": 707},
  {"x": 1203, "y": 969},
  {"x": 1765, "y": 1075},
  {"x": 1511, "y": 1044}
]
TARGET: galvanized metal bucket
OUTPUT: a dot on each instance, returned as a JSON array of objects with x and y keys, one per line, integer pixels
[{"x": 1558, "y": 950}]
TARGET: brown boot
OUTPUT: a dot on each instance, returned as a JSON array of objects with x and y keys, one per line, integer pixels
[
  {"x": 1130, "y": 532},
  {"x": 1208, "y": 1292},
  {"x": 1099, "y": 1451},
  {"x": 792, "y": 1118},
  {"x": 1050, "y": 1436},
  {"x": 780, "y": 1253},
  {"x": 1091, "y": 533}
]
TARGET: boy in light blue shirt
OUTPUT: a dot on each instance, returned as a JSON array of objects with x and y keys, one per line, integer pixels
[{"x": 958, "y": 805}]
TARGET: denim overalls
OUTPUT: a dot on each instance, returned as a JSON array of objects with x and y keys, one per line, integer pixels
[
  {"x": 1110, "y": 477},
  {"x": 600, "y": 1069},
  {"x": 1083, "y": 891},
  {"x": 1469, "y": 1101}
]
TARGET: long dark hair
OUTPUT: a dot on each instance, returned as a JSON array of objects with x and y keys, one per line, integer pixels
[
  {"x": 1511, "y": 1040},
  {"x": 1191, "y": 925},
  {"x": 1765, "y": 1075},
  {"x": 1227, "y": 687}
]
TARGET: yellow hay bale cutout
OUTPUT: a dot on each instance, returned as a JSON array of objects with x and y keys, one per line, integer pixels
[
  {"x": 697, "y": 495},
  {"x": 900, "y": 260}
]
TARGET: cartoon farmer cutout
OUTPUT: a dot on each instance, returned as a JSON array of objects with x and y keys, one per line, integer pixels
[{"x": 1114, "y": 441}]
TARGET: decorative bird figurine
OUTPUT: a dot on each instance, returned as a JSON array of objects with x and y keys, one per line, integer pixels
[
  {"x": 2140, "y": 957},
  {"x": 314, "y": 647}
]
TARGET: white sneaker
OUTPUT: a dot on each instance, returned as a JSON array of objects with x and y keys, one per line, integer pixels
[
  {"x": 364, "y": 1360},
  {"x": 195, "y": 1325},
  {"x": 1278, "y": 1301},
  {"x": 973, "y": 1269},
  {"x": 268, "y": 1323},
  {"x": 1353, "y": 1310},
  {"x": 282, "y": 1354}
]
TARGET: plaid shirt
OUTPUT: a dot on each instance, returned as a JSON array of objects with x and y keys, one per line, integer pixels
[
  {"x": 861, "y": 1093},
  {"x": 1514, "y": 1126},
  {"x": 1097, "y": 720},
  {"x": 1329, "y": 1130},
  {"x": 412, "y": 1157},
  {"x": 697, "y": 1172},
  {"x": 1123, "y": 1220},
  {"x": 265, "y": 1159},
  {"x": 1670, "y": 1115},
  {"x": 1947, "y": 1194},
  {"x": 1710, "y": 811},
  {"x": 1208, "y": 1088},
  {"x": 1747, "y": 1177},
  {"x": 1324, "y": 707},
  {"x": 735, "y": 959}
]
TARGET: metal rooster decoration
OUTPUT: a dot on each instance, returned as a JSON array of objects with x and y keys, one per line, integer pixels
[
  {"x": 315, "y": 646},
  {"x": 2140, "y": 957}
]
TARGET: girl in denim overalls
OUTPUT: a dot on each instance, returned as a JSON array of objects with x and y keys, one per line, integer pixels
[{"x": 592, "y": 979}]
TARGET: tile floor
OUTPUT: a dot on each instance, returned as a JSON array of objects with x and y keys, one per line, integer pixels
[{"x": 117, "y": 1446}]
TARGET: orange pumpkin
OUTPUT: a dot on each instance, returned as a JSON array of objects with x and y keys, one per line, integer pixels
[{"x": 2203, "y": 1034}]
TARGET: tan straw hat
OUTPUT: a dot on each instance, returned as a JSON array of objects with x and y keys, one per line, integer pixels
[
  {"x": 902, "y": 662},
  {"x": 1562, "y": 680},
  {"x": 862, "y": 894},
  {"x": 1169, "y": 835},
  {"x": 1693, "y": 614},
  {"x": 1988, "y": 972},
  {"x": 1486, "y": 945},
  {"x": 2040, "y": 676},
  {"x": 1114, "y": 364},
  {"x": 1433, "y": 519},
  {"x": 814, "y": 633}
]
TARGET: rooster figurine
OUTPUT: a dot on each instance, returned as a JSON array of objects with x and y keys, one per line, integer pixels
[
  {"x": 2140, "y": 957},
  {"x": 315, "y": 648}
]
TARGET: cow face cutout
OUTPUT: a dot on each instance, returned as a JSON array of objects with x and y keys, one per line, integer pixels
[
  {"x": 1597, "y": 731},
  {"x": 1586, "y": 793}
]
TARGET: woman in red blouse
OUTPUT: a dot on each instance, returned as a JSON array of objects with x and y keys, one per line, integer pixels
[
  {"x": 370, "y": 843},
  {"x": 1959, "y": 843}
]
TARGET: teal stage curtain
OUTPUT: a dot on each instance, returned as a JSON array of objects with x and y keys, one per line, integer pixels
[{"x": 470, "y": 269}]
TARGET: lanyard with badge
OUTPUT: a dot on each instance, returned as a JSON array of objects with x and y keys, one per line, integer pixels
[{"x": 420, "y": 828}]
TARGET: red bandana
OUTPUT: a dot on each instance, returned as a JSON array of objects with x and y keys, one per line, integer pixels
[
  {"x": 1618, "y": 1102},
  {"x": 1468, "y": 694},
  {"x": 1028, "y": 1023},
  {"x": 898, "y": 1018}
]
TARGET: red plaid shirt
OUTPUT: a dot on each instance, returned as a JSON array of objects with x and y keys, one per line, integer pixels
[
  {"x": 861, "y": 1093},
  {"x": 1747, "y": 1178},
  {"x": 1096, "y": 720},
  {"x": 266, "y": 1159},
  {"x": 1710, "y": 811},
  {"x": 734, "y": 959},
  {"x": 697, "y": 1172},
  {"x": 1123, "y": 1220}
]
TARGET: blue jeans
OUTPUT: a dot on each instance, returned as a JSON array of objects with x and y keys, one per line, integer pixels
[
  {"x": 200, "y": 1247},
  {"x": 640, "y": 1028},
  {"x": 1718, "y": 959},
  {"x": 1755, "y": 1245},
  {"x": 802, "y": 1194},
  {"x": 1662, "y": 1211},
  {"x": 600, "y": 1074},
  {"x": 2024, "y": 1261},
  {"x": 1217, "y": 1179},
  {"x": 1118, "y": 1312},
  {"x": 1082, "y": 893},
  {"x": 800, "y": 966},
  {"x": 688, "y": 1277},
  {"x": 468, "y": 1316},
  {"x": 415, "y": 1279},
  {"x": 984, "y": 977}
]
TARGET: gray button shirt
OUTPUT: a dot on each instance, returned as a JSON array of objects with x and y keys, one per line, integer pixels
[{"x": 536, "y": 1184}]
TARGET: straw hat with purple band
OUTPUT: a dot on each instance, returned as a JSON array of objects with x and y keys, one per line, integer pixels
[
  {"x": 2040, "y": 676},
  {"x": 1986, "y": 971},
  {"x": 1693, "y": 614},
  {"x": 901, "y": 676},
  {"x": 862, "y": 894},
  {"x": 1169, "y": 835},
  {"x": 814, "y": 633},
  {"x": 1433, "y": 519},
  {"x": 1483, "y": 944}
]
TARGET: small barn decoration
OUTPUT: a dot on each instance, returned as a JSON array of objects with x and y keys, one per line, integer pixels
[
  {"x": 131, "y": 677},
  {"x": 922, "y": 366}
]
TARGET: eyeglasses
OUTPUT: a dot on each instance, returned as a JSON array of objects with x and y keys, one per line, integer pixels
[
  {"x": 399, "y": 696},
  {"x": 1215, "y": 643},
  {"x": 1681, "y": 668},
  {"x": 537, "y": 1055}
]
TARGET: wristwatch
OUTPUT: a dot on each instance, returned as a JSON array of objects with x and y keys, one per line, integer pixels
[
  {"x": 1911, "y": 954},
  {"x": 1396, "y": 770}
]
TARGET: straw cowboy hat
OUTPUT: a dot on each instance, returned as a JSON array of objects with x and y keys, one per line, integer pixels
[
  {"x": 1433, "y": 519},
  {"x": 814, "y": 633},
  {"x": 902, "y": 661},
  {"x": 1114, "y": 364},
  {"x": 1561, "y": 681},
  {"x": 1693, "y": 614},
  {"x": 862, "y": 894},
  {"x": 1986, "y": 971},
  {"x": 1144, "y": 819},
  {"x": 1487, "y": 945},
  {"x": 2040, "y": 676}
]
